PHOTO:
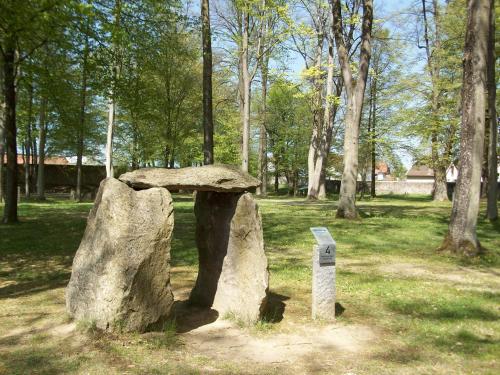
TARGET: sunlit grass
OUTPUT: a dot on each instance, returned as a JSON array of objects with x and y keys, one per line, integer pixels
[{"x": 432, "y": 312}]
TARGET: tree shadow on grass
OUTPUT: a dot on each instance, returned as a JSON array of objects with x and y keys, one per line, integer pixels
[
  {"x": 53, "y": 281},
  {"x": 401, "y": 354},
  {"x": 452, "y": 311},
  {"x": 466, "y": 342}
]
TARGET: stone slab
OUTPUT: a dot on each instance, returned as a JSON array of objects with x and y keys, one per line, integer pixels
[{"x": 219, "y": 178}]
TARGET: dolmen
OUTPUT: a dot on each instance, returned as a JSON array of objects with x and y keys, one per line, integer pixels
[{"x": 120, "y": 279}]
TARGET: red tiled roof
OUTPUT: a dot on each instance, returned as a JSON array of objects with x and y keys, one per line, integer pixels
[{"x": 381, "y": 167}]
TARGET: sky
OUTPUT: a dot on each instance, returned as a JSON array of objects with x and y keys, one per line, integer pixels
[{"x": 383, "y": 9}]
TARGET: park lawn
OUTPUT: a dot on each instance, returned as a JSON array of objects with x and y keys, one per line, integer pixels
[{"x": 419, "y": 311}]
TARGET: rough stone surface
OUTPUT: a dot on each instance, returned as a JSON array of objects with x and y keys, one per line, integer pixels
[
  {"x": 121, "y": 272},
  {"x": 233, "y": 274},
  {"x": 220, "y": 178},
  {"x": 323, "y": 289}
]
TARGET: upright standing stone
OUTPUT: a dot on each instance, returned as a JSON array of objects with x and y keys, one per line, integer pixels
[
  {"x": 121, "y": 272},
  {"x": 233, "y": 275},
  {"x": 323, "y": 280}
]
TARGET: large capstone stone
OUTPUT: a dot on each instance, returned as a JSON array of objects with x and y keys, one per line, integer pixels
[
  {"x": 121, "y": 272},
  {"x": 219, "y": 178},
  {"x": 233, "y": 274}
]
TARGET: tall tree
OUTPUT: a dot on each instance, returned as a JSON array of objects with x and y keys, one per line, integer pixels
[
  {"x": 208, "y": 122},
  {"x": 439, "y": 163},
  {"x": 24, "y": 27},
  {"x": 115, "y": 70},
  {"x": 272, "y": 33},
  {"x": 355, "y": 90},
  {"x": 2, "y": 118},
  {"x": 319, "y": 16},
  {"x": 334, "y": 87},
  {"x": 81, "y": 120},
  {"x": 246, "y": 86},
  {"x": 10, "y": 127},
  {"x": 42, "y": 133},
  {"x": 262, "y": 172},
  {"x": 372, "y": 125},
  {"x": 461, "y": 237},
  {"x": 492, "y": 209},
  {"x": 28, "y": 142}
]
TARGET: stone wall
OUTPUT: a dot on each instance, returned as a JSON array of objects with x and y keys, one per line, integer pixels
[{"x": 403, "y": 187}]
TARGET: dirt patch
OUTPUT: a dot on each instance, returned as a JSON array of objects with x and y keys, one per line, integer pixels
[{"x": 223, "y": 340}]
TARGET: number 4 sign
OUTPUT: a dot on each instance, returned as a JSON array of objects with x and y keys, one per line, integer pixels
[{"x": 326, "y": 245}]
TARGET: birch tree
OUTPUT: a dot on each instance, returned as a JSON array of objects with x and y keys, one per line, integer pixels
[
  {"x": 112, "y": 93},
  {"x": 462, "y": 237},
  {"x": 355, "y": 89}
]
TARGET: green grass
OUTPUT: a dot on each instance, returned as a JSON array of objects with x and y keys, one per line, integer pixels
[{"x": 431, "y": 312}]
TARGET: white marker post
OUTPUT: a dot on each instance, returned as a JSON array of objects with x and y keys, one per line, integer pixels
[{"x": 323, "y": 278}]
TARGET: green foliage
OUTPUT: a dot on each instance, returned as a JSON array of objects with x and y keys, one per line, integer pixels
[
  {"x": 289, "y": 125},
  {"x": 384, "y": 101},
  {"x": 444, "y": 123}
]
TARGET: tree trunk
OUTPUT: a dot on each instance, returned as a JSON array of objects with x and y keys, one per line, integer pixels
[
  {"x": 485, "y": 168},
  {"x": 2, "y": 126},
  {"x": 34, "y": 165},
  {"x": 81, "y": 125},
  {"x": 439, "y": 162},
  {"x": 373, "y": 126},
  {"x": 246, "y": 95},
  {"x": 347, "y": 202},
  {"x": 315, "y": 155},
  {"x": 355, "y": 93},
  {"x": 462, "y": 237},
  {"x": 27, "y": 145},
  {"x": 208, "y": 124},
  {"x": 112, "y": 96},
  {"x": 329, "y": 137},
  {"x": 109, "y": 138},
  {"x": 322, "y": 182},
  {"x": 276, "y": 178},
  {"x": 262, "y": 175},
  {"x": 315, "y": 190},
  {"x": 440, "y": 189},
  {"x": 10, "y": 129},
  {"x": 41, "y": 153},
  {"x": 492, "y": 208}
]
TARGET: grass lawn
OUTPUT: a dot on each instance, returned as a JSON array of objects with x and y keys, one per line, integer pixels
[{"x": 403, "y": 307}]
